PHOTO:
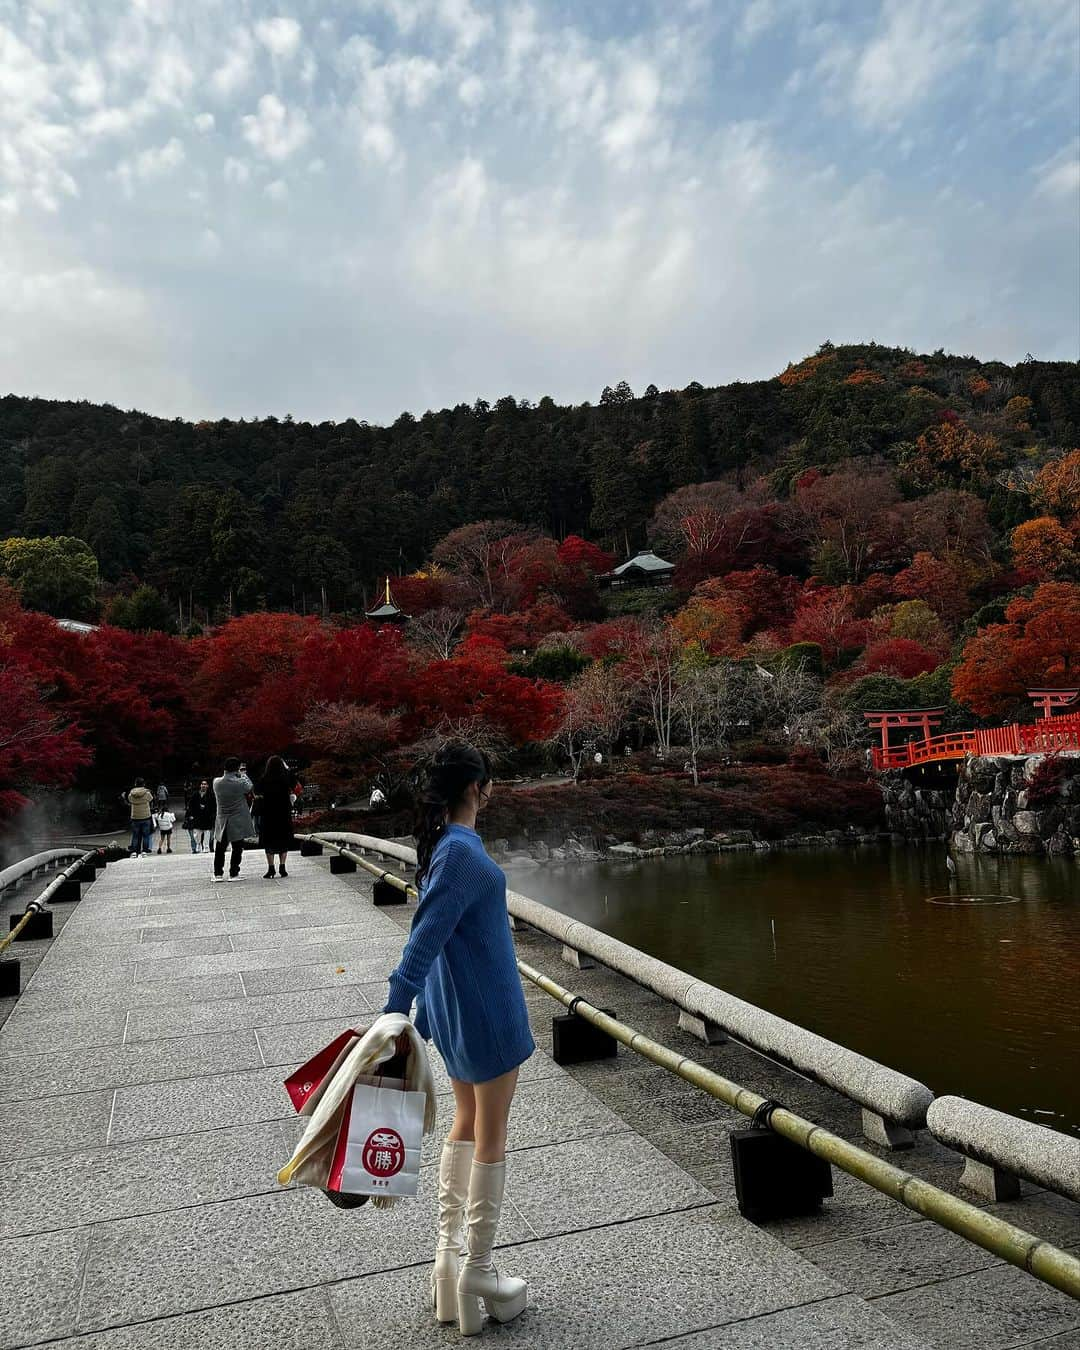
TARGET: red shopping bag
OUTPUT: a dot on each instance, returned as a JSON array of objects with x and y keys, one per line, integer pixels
[
  {"x": 306, "y": 1085},
  {"x": 379, "y": 1139}
]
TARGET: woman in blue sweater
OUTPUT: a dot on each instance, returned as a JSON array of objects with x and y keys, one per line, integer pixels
[{"x": 460, "y": 967}]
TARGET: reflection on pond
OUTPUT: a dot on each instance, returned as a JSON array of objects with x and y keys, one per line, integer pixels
[{"x": 977, "y": 999}]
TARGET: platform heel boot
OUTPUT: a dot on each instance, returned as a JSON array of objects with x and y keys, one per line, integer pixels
[
  {"x": 454, "y": 1168},
  {"x": 503, "y": 1296}
]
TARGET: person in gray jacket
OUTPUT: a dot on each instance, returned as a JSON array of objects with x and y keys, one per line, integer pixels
[{"x": 233, "y": 824}]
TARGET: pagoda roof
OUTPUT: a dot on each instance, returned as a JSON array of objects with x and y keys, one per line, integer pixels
[{"x": 387, "y": 610}]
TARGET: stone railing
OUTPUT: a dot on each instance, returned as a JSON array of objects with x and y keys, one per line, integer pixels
[{"x": 1001, "y": 1150}]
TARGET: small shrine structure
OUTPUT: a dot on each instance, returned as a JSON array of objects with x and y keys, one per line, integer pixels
[
  {"x": 387, "y": 612},
  {"x": 643, "y": 569}
]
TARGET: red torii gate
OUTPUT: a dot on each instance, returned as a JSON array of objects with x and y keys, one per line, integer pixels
[
  {"x": 1048, "y": 700},
  {"x": 887, "y": 718}
]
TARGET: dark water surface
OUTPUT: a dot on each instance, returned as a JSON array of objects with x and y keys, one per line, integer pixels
[{"x": 978, "y": 1000}]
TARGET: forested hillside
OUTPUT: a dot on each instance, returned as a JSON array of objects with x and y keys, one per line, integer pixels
[
  {"x": 271, "y": 513},
  {"x": 869, "y": 529}
]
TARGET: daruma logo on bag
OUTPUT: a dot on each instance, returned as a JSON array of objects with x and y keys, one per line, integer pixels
[{"x": 384, "y": 1153}]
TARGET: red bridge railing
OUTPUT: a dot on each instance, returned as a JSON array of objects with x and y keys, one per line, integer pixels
[{"x": 1056, "y": 733}]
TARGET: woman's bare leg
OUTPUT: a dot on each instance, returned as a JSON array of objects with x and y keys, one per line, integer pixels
[
  {"x": 493, "y": 1101},
  {"x": 463, "y": 1128}
]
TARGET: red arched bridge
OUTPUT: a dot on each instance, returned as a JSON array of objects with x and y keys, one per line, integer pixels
[{"x": 1048, "y": 733}]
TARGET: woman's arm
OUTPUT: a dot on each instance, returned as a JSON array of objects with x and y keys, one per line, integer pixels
[{"x": 447, "y": 895}]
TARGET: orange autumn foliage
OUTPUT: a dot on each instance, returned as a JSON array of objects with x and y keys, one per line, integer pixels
[
  {"x": 951, "y": 453},
  {"x": 1045, "y": 548},
  {"x": 1038, "y": 644},
  {"x": 1057, "y": 486},
  {"x": 805, "y": 370}
]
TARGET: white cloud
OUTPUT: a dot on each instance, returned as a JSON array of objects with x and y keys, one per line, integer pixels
[
  {"x": 377, "y": 143},
  {"x": 471, "y": 91},
  {"x": 204, "y": 122},
  {"x": 277, "y": 191},
  {"x": 636, "y": 99},
  {"x": 235, "y": 72},
  {"x": 236, "y": 171},
  {"x": 155, "y": 162},
  {"x": 1059, "y": 178},
  {"x": 280, "y": 36},
  {"x": 274, "y": 130}
]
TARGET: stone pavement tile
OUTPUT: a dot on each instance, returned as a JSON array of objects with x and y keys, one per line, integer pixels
[
  {"x": 300, "y": 1321},
  {"x": 322, "y": 973},
  {"x": 39, "y": 1286},
  {"x": 28, "y": 1033},
  {"x": 150, "y": 1024},
  {"x": 147, "y": 972},
  {"x": 616, "y": 1286},
  {"x": 245, "y": 1248},
  {"x": 277, "y": 921},
  {"x": 605, "y": 1179},
  {"x": 1047, "y": 1215},
  {"x": 152, "y": 1110},
  {"x": 330, "y": 932},
  {"x": 386, "y": 948},
  {"x": 65, "y": 1191},
  {"x": 54, "y": 1124},
  {"x": 843, "y": 1323},
  {"x": 109, "y": 1066},
  {"x": 124, "y": 994},
  {"x": 900, "y": 1258},
  {"x": 855, "y": 1209},
  {"x": 122, "y": 956},
  {"x": 995, "y": 1309}
]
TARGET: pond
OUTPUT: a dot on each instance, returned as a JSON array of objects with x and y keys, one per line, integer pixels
[{"x": 977, "y": 999}]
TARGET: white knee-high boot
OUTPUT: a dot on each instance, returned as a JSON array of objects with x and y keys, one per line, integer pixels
[
  {"x": 504, "y": 1296},
  {"x": 454, "y": 1168}
]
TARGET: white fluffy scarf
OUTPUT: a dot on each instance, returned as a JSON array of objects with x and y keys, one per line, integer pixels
[{"x": 311, "y": 1159}]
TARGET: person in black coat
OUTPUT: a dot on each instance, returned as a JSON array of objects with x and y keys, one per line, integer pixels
[
  {"x": 199, "y": 812},
  {"x": 274, "y": 795}
]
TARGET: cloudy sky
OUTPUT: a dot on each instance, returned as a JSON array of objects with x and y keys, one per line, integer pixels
[{"x": 350, "y": 207}]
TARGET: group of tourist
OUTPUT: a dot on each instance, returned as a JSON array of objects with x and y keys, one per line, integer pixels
[{"x": 232, "y": 811}]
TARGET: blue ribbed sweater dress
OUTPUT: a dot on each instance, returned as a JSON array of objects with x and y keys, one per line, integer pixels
[{"x": 460, "y": 966}]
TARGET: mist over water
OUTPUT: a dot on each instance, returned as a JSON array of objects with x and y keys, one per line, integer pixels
[
  {"x": 978, "y": 1000},
  {"x": 50, "y": 822}
]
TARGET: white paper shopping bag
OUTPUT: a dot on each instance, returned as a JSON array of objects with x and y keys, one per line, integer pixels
[{"x": 378, "y": 1144}]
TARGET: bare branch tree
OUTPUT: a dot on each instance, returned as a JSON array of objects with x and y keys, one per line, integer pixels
[
  {"x": 435, "y": 632},
  {"x": 594, "y": 712}
]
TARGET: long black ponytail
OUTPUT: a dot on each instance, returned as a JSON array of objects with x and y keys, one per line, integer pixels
[{"x": 448, "y": 776}]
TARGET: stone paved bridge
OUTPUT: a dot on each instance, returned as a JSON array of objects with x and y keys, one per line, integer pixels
[{"x": 142, "y": 1119}]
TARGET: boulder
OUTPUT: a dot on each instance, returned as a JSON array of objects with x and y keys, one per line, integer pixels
[
  {"x": 1025, "y": 822},
  {"x": 627, "y": 851}
]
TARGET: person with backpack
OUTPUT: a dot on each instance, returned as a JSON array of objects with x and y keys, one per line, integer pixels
[{"x": 139, "y": 799}]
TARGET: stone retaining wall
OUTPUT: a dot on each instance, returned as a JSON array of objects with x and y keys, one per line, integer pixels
[
  {"x": 586, "y": 847},
  {"x": 913, "y": 812},
  {"x": 993, "y": 814}
]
